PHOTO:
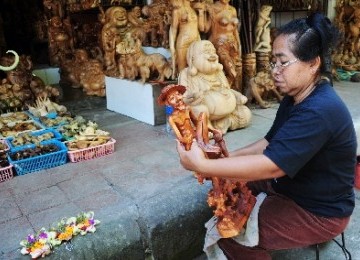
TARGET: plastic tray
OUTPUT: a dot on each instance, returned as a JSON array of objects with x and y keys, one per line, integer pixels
[
  {"x": 56, "y": 134},
  {"x": 37, "y": 126},
  {"x": 14, "y": 117},
  {"x": 40, "y": 162},
  {"x": 92, "y": 152},
  {"x": 50, "y": 123},
  {"x": 6, "y": 173}
]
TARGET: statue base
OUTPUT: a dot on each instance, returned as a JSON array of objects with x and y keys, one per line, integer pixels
[{"x": 136, "y": 100}]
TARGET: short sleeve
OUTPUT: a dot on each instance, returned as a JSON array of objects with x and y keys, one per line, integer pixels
[{"x": 302, "y": 135}]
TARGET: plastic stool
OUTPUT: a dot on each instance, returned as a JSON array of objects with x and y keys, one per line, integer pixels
[{"x": 342, "y": 246}]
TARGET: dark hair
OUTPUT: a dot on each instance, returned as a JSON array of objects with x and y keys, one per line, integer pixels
[{"x": 313, "y": 36}]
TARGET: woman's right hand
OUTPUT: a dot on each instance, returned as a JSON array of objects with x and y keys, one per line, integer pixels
[{"x": 192, "y": 159}]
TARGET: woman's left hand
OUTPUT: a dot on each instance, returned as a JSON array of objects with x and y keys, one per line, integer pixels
[{"x": 192, "y": 159}]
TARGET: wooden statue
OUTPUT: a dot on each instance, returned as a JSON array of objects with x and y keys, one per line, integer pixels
[
  {"x": 92, "y": 79},
  {"x": 232, "y": 200},
  {"x": 115, "y": 27},
  {"x": 348, "y": 21},
  {"x": 21, "y": 87},
  {"x": 208, "y": 90},
  {"x": 262, "y": 30},
  {"x": 83, "y": 72},
  {"x": 184, "y": 29},
  {"x": 155, "y": 16},
  {"x": 142, "y": 25},
  {"x": 186, "y": 125},
  {"x": 146, "y": 65},
  {"x": 260, "y": 87},
  {"x": 22, "y": 74},
  {"x": 223, "y": 26},
  {"x": 71, "y": 69},
  {"x": 134, "y": 17},
  {"x": 354, "y": 28},
  {"x": 54, "y": 8},
  {"x": 60, "y": 42},
  {"x": 108, "y": 39},
  {"x": 126, "y": 61}
]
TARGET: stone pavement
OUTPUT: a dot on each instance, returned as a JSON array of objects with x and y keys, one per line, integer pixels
[{"x": 148, "y": 205}]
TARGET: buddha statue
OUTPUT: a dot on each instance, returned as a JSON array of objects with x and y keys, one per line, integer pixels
[{"x": 208, "y": 90}]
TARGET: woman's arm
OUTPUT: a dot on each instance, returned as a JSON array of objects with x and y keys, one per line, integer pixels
[
  {"x": 243, "y": 168},
  {"x": 255, "y": 148}
]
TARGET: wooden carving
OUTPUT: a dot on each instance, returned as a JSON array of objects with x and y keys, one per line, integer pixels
[
  {"x": 262, "y": 30},
  {"x": 262, "y": 87},
  {"x": 60, "y": 41},
  {"x": 21, "y": 87},
  {"x": 147, "y": 66},
  {"x": 158, "y": 22},
  {"x": 232, "y": 200},
  {"x": 223, "y": 26},
  {"x": 83, "y": 72},
  {"x": 184, "y": 30},
  {"x": 208, "y": 90},
  {"x": 348, "y": 21}
]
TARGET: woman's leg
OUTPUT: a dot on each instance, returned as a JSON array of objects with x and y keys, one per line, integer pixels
[{"x": 283, "y": 225}]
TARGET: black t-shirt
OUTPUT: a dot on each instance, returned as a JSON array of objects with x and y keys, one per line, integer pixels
[{"x": 315, "y": 144}]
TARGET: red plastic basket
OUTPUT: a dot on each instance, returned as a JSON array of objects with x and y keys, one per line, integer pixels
[
  {"x": 92, "y": 152},
  {"x": 6, "y": 173}
]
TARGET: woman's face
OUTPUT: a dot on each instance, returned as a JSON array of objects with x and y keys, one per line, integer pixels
[{"x": 290, "y": 74}]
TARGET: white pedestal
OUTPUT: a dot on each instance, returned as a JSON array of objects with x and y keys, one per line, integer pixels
[{"x": 134, "y": 99}]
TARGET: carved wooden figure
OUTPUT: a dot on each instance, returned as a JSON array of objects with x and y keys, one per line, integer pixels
[
  {"x": 223, "y": 26},
  {"x": 108, "y": 37},
  {"x": 262, "y": 30},
  {"x": 92, "y": 79},
  {"x": 184, "y": 29},
  {"x": 232, "y": 200},
  {"x": 208, "y": 90},
  {"x": 147, "y": 65},
  {"x": 54, "y": 8},
  {"x": 186, "y": 125},
  {"x": 71, "y": 69},
  {"x": 260, "y": 87},
  {"x": 155, "y": 13},
  {"x": 60, "y": 42},
  {"x": 114, "y": 31},
  {"x": 354, "y": 27}
]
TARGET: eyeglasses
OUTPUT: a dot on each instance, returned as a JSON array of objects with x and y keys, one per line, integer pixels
[{"x": 282, "y": 66}]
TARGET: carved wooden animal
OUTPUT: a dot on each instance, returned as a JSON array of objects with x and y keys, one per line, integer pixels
[
  {"x": 148, "y": 65},
  {"x": 260, "y": 86},
  {"x": 152, "y": 63}
]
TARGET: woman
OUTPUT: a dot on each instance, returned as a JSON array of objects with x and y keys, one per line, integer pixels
[{"x": 306, "y": 161}]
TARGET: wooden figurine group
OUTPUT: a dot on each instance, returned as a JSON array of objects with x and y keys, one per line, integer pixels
[{"x": 231, "y": 200}]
